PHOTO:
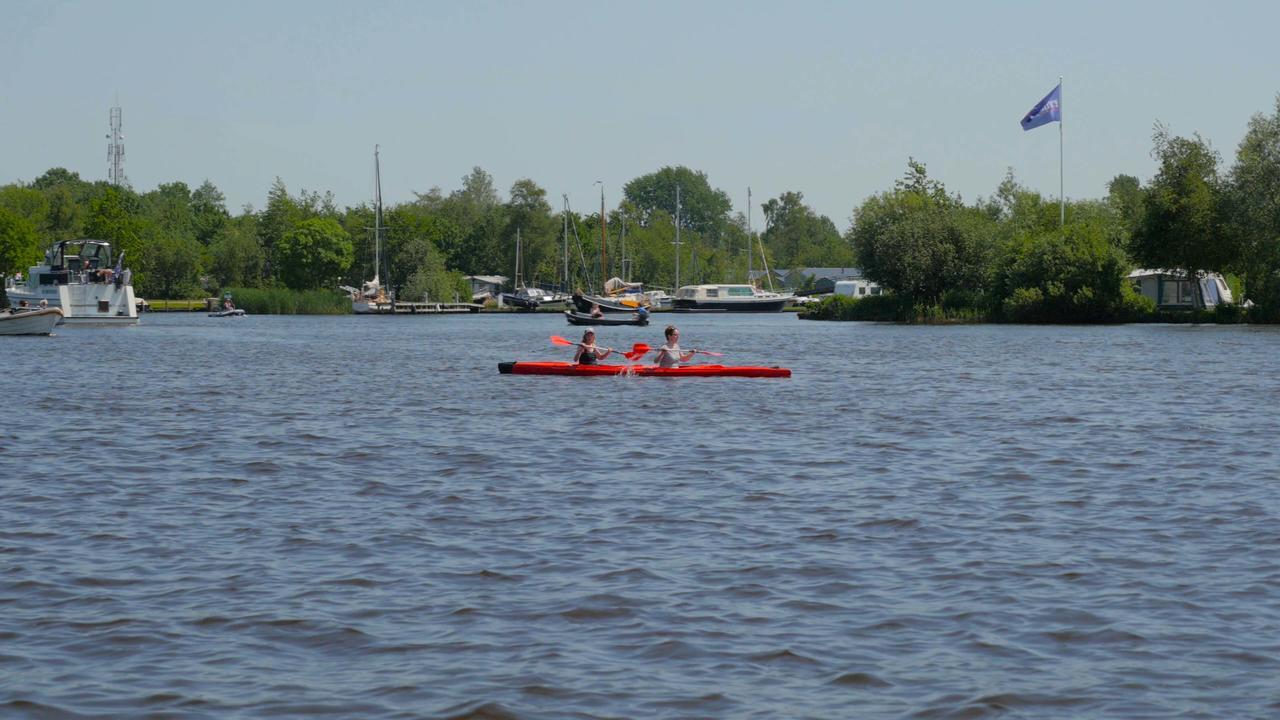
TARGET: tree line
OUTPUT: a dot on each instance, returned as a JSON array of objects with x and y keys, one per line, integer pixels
[
  {"x": 1005, "y": 256},
  {"x": 186, "y": 243}
]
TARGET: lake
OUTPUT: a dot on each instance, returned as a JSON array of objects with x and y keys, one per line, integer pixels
[{"x": 359, "y": 517}]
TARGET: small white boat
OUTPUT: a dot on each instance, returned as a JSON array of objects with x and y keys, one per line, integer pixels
[
  {"x": 236, "y": 312},
  {"x": 29, "y": 322}
]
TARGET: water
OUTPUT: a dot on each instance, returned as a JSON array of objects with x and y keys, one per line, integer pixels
[{"x": 359, "y": 517}]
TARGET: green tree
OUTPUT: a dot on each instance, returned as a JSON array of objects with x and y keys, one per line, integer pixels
[
  {"x": 236, "y": 256},
  {"x": 1073, "y": 274},
  {"x": 19, "y": 242},
  {"x": 314, "y": 254},
  {"x": 703, "y": 209},
  {"x": 116, "y": 216},
  {"x": 798, "y": 237},
  {"x": 280, "y": 217},
  {"x": 208, "y": 212},
  {"x": 1180, "y": 227},
  {"x": 1252, "y": 211},
  {"x": 916, "y": 242},
  {"x": 1124, "y": 193},
  {"x": 528, "y": 212},
  {"x": 477, "y": 214},
  {"x": 173, "y": 264}
]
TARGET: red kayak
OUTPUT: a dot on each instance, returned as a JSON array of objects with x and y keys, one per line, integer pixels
[{"x": 566, "y": 368}]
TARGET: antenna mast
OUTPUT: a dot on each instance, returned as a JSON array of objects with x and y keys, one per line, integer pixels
[{"x": 115, "y": 150}]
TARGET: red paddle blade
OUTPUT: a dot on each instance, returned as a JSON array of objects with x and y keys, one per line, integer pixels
[
  {"x": 637, "y": 351},
  {"x": 557, "y": 340}
]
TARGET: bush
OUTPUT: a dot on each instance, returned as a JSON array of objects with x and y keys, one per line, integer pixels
[
  {"x": 889, "y": 308},
  {"x": 281, "y": 301}
]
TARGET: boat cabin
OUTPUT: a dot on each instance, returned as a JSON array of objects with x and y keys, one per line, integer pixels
[{"x": 1171, "y": 290}]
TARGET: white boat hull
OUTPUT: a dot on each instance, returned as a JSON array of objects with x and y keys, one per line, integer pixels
[
  {"x": 30, "y": 322},
  {"x": 84, "y": 304}
]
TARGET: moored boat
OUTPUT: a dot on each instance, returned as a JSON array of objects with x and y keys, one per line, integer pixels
[
  {"x": 576, "y": 318},
  {"x": 731, "y": 298},
  {"x": 29, "y": 322},
  {"x": 78, "y": 278},
  {"x": 575, "y": 370}
]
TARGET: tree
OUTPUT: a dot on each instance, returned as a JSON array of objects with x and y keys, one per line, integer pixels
[
  {"x": 1252, "y": 211},
  {"x": 173, "y": 265},
  {"x": 19, "y": 243},
  {"x": 115, "y": 216},
  {"x": 236, "y": 257},
  {"x": 916, "y": 242},
  {"x": 476, "y": 212},
  {"x": 799, "y": 237},
  {"x": 54, "y": 177},
  {"x": 529, "y": 213},
  {"x": 208, "y": 212},
  {"x": 1074, "y": 274},
  {"x": 1180, "y": 226},
  {"x": 1124, "y": 193},
  {"x": 703, "y": 209},
  {"x": 315, "y": 254},
  {"x": 280, "y": 217}
]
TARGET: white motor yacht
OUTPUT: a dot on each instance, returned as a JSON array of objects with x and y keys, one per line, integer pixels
[{"x": 78, "y": 278}]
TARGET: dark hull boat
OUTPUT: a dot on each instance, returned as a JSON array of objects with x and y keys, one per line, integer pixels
[
  {"x": 576, "y": 318},
  {"x": 516, "y": 301},
  {"x": 583, "y": 304}
]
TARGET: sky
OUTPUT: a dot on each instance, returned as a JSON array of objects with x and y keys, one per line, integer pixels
[{"x": 829, "y": 99}]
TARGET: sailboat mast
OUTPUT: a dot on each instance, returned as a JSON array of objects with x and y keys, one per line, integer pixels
[
  {"x": 377, "y": 215},
  {"x": 518, "y": 280},
  {"x": 604, "y": 264},
  {"x": 677, "y": 243},
  {"x": 750, "y": 250},
  {"x": 566, "y": 243}
]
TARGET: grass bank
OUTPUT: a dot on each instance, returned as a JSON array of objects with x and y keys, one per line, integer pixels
[{"x": 282, "y": 301}]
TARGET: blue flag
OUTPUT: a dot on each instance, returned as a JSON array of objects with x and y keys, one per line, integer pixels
[{"x": 1046, "y": 111}]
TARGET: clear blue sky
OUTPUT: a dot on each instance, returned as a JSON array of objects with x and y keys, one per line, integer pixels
[{"x": 827, "y": 98}]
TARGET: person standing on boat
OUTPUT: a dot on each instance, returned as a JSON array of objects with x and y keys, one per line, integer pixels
[
  {"x": 588, "y": 353},
  {"x": 670, "y": 355}
]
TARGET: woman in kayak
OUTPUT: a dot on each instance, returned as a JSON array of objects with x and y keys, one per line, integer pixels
[
  {"x": 670, "y": 355},
  {"x": 588, "y": 353}
]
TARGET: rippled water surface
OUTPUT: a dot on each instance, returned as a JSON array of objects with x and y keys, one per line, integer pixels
[{"x": 347, "y": 517}]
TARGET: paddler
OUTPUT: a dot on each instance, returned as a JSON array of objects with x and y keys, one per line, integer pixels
[
  {"x": 588, "y": 353},
  {"x": 670, "y": 355}
]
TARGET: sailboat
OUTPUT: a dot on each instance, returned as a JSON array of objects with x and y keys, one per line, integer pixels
[
  {"x": 371, "y": 294},
  {"x": 619, "y": 295}
]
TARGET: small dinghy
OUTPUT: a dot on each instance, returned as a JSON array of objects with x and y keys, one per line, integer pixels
[
  {"x": 29, "y": 322},
  {"x": 236, "y": 312},
  {"x": 577, "y": 318}
]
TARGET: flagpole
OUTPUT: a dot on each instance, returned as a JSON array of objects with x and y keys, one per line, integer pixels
[{"x": 1062, "y": 198}]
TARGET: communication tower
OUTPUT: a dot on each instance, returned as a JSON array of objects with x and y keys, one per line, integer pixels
[{"x": 115, "y": 151}]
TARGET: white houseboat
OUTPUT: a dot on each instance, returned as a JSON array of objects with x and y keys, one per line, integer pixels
[{"x": 77, "y": 277}]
